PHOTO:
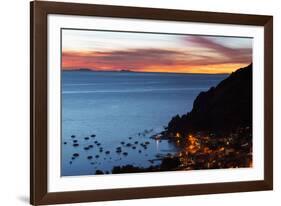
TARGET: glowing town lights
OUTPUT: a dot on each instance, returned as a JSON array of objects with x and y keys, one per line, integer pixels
[
  {"x": 212, "y": 151},
  {"x": 193, "y": 144},
  {"x": 206, "y": 150},
  {"x": 221, "y": 149},
  {"x": 178, "y": 135}
]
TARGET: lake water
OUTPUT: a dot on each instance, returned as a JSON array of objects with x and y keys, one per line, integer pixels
[{"x": 122, "y": 106}]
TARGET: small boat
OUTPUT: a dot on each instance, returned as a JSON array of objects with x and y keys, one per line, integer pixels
[{"x": 159, "y": 136}]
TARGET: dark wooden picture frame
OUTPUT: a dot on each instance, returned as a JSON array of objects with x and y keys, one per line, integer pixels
[{"x": 39, "y": 11}]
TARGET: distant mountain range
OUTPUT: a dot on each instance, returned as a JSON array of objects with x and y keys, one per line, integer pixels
[
  {"x": 98, "y": 70},
  {"x": 127, "y": 71}
]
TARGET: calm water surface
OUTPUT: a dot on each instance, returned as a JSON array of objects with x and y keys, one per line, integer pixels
[{"x": 122, "y": 106}]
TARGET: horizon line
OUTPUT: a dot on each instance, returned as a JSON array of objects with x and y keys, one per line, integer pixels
[{"x": 132, "y": 71}]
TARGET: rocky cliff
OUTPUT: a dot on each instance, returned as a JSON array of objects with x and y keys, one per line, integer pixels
[{"x": 223, "y": 108}]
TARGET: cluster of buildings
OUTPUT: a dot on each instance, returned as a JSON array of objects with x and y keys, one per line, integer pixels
[{"x": 214, "y": 151}]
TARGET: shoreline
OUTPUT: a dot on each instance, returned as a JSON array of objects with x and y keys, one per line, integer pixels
[
  {"x": 204, "y": 150},
  {"x": 199, "y": 151}
]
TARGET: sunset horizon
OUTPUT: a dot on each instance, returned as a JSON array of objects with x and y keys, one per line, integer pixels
[
  {"x": 152, "y": 71},
  {"x": 153, "y": 52},
  {"x": 124, "y": 112}
]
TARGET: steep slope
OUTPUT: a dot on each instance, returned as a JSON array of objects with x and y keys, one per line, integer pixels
[{"x": 222, "y": 108}]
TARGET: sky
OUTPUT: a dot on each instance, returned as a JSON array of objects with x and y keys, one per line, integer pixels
[{"x": 153, "y": 52}]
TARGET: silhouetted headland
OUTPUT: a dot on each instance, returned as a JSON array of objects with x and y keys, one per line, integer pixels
[{"x": 222, "y": 109}]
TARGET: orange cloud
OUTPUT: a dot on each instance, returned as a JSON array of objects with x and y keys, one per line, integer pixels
[{"x": 160, "y": 60}]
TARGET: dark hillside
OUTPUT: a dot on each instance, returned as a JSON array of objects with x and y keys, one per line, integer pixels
[{"x": 223, "y": 108}]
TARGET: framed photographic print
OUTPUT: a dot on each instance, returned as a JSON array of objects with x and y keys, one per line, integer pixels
[{"x": 133, "y": 102}]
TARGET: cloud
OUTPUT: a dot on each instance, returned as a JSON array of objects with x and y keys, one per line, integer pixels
[
  {"x": 238, "y": 55},
  {"x": 203, "y": 53},
  {"x": 123, "y": 59}
]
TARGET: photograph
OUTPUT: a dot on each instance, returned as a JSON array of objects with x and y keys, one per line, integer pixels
[
  {"x": 131, "y": 102},
  {"x": 136, "y": 102}
]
